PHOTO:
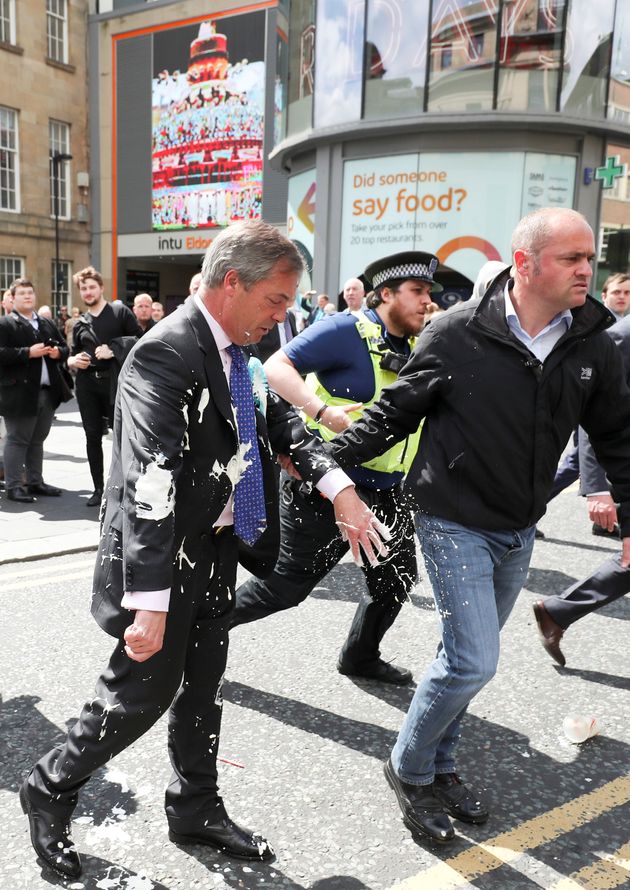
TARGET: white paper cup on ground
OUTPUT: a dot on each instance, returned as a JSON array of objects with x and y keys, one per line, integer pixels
[{"x": 578, "y": 729}]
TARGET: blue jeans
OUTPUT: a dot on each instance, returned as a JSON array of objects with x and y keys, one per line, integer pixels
[{"x": 476, "y": 576}]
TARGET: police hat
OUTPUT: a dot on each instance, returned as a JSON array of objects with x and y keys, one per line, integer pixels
[{"x": 409, "y": 264}]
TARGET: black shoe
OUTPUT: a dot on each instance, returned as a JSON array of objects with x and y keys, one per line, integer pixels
[
  {"x": 550, "y": 633},
  {"x": 422, "y": 811},
  {"x": 95, "y": 498},
  {"x": 20, "y": 494},
  {"x": 380, "y": 670},
  {"x": 458, "y": 801},
  {"x": 228, "y": 837},
  {"x": 45, "y": 490},
  {"x": 50, "y": 837},
  {"x": 601, "y": 532},
  {"x": 540, "y": 536}
]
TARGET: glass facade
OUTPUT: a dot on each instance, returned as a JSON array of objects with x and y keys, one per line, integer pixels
[
  {"x": 588, "y": 39},
  {"x": 530, "y": 54},
  {"x": 395, "y": 59},
  {"x": 619, "y": 94},
  {"x": 463, "y": 50},
  {"x": 384, "y": 59},
  {"x": 339, "y": 44},
  {"x": 301, "y": 70}
]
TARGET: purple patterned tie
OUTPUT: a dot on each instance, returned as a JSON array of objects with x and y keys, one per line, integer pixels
[{"x": 249, "y": 494}]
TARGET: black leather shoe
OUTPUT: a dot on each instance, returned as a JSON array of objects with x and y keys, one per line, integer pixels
[
  {"x": 458, "y": 801},
  {"x": 50, "y": 837},
  {"x": 550, "y": 633},
  {"x": 227, "y": 837},
  {"x": 21, "y": 495},
  {"x": 380, "y": 670},
  {"x": 540, "y": 536},
  {"x": 95, "y": 498},
  {"x": 45, "y": 490},
  {"x": 422, "y": 811}
]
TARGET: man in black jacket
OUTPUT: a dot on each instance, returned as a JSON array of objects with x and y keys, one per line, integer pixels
[
  {"x": 191, "y": 490},
  {"x": 31, "y": 349},
  {"x": 611, "y": 580},
  {"x": 502, "y": 384},
  {"x": 101, "y": 339}
]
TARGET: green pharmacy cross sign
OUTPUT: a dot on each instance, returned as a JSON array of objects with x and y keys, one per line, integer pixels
[{"x": 611, "y": 170}]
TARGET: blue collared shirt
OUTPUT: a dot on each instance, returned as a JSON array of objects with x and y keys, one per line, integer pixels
[{"x": 542, "y": 344}]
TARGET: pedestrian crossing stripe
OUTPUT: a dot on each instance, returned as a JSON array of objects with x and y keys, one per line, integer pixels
[{"x": 504, "y": 849}]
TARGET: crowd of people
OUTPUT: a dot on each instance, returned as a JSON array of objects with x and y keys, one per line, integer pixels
[
  {"x": 381, "y": 422},
  {"x": 44, "y": 361}
]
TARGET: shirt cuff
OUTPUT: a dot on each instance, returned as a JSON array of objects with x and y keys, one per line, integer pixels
[
  {"x": 148, "y": 600},
  {"x": 333, "y": 482},
  {"x": 593, "y": 494}
]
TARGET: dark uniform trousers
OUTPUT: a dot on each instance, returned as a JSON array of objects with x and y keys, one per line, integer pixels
[
  {"x": 608, "y": 583},
  {"x": 311, "y": 546},
  {"x": 130, "y": 696},
  {"x": 93, "y": 389}
]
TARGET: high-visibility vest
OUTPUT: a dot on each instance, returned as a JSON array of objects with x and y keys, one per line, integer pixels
[{"x": 399, "y": 457}]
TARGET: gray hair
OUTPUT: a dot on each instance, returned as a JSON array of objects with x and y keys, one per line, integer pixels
[
  {"x": 252, "y": 249},
  {"x": 535, "y": 229}
]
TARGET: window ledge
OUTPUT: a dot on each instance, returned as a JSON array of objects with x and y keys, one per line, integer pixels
[
  {"x": 62, "y": 65},
  {"x": 12, "y": 48}
]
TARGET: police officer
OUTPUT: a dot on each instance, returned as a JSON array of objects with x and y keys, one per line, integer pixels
[{"x": 349, "y": 359}]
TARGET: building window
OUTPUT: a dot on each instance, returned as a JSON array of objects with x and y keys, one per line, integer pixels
[
  {"x": 59, "y": 143},
  {"x": 60, "y": 277},
  {"x": 447, "y": 56},
  {"x": 7, "y": 21},
  {"x": 57, "y": 30},
  {"x": 9, "y": 162},
  {"x": 11, "y": 267}
]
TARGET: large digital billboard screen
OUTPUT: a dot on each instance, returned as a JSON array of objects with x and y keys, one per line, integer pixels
[{"x": 208, "y": 94}]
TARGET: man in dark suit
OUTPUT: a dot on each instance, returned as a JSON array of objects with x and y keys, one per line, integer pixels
[
  {"x": 317, "y": 313},
  {"x": 31, "y": 349},
  {"x": 611, "y": 580},
  {"x": 191, "y": 488}
]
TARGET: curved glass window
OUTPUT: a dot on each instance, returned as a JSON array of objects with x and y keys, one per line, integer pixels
[
  {"x": 462, "y": 55},
  {"x": 395, "y": 57},
  {"x": 530, "y": 50},
  {"x": 282, "y": 73},
  {"x": 339, "y": 73},
  {"x": 587, "y": 57},
  {"x": 619, "y": 96},
  {"x": 301, "y": 65}
]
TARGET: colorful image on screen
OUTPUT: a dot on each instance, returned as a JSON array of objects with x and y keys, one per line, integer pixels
[{"x": 208, "y": 93}]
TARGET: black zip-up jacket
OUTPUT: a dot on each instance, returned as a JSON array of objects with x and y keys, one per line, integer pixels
[{"x": 497, "y": 420}]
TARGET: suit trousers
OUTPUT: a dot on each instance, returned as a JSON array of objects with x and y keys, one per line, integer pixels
[
  {"x": 311, "y": 545},
  {"x": 608, "y": 583},
  {"x": 24, "y": 446},
  {"x": 130, "y": 696},
  {"x": 94, "y": 398}
]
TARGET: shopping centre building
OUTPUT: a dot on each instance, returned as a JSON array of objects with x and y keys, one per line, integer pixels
[{"x": 364, "y": 126}]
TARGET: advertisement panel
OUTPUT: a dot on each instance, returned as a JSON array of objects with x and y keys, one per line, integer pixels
[
  {"x": 461, "y": 206},
  {"x": 301, "y": 215},
  {"x": 207, "y": 122}
]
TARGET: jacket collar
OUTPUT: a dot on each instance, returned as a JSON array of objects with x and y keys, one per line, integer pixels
[
  {"x": 217, "y": 384},
  {"x": 589, "y": 319}
]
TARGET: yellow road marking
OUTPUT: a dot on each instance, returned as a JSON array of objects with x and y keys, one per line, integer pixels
[
  {"x": 44, "y": 582},
  {"x": 609, "y": 872},
  {"x": 505, "y": 848}
]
